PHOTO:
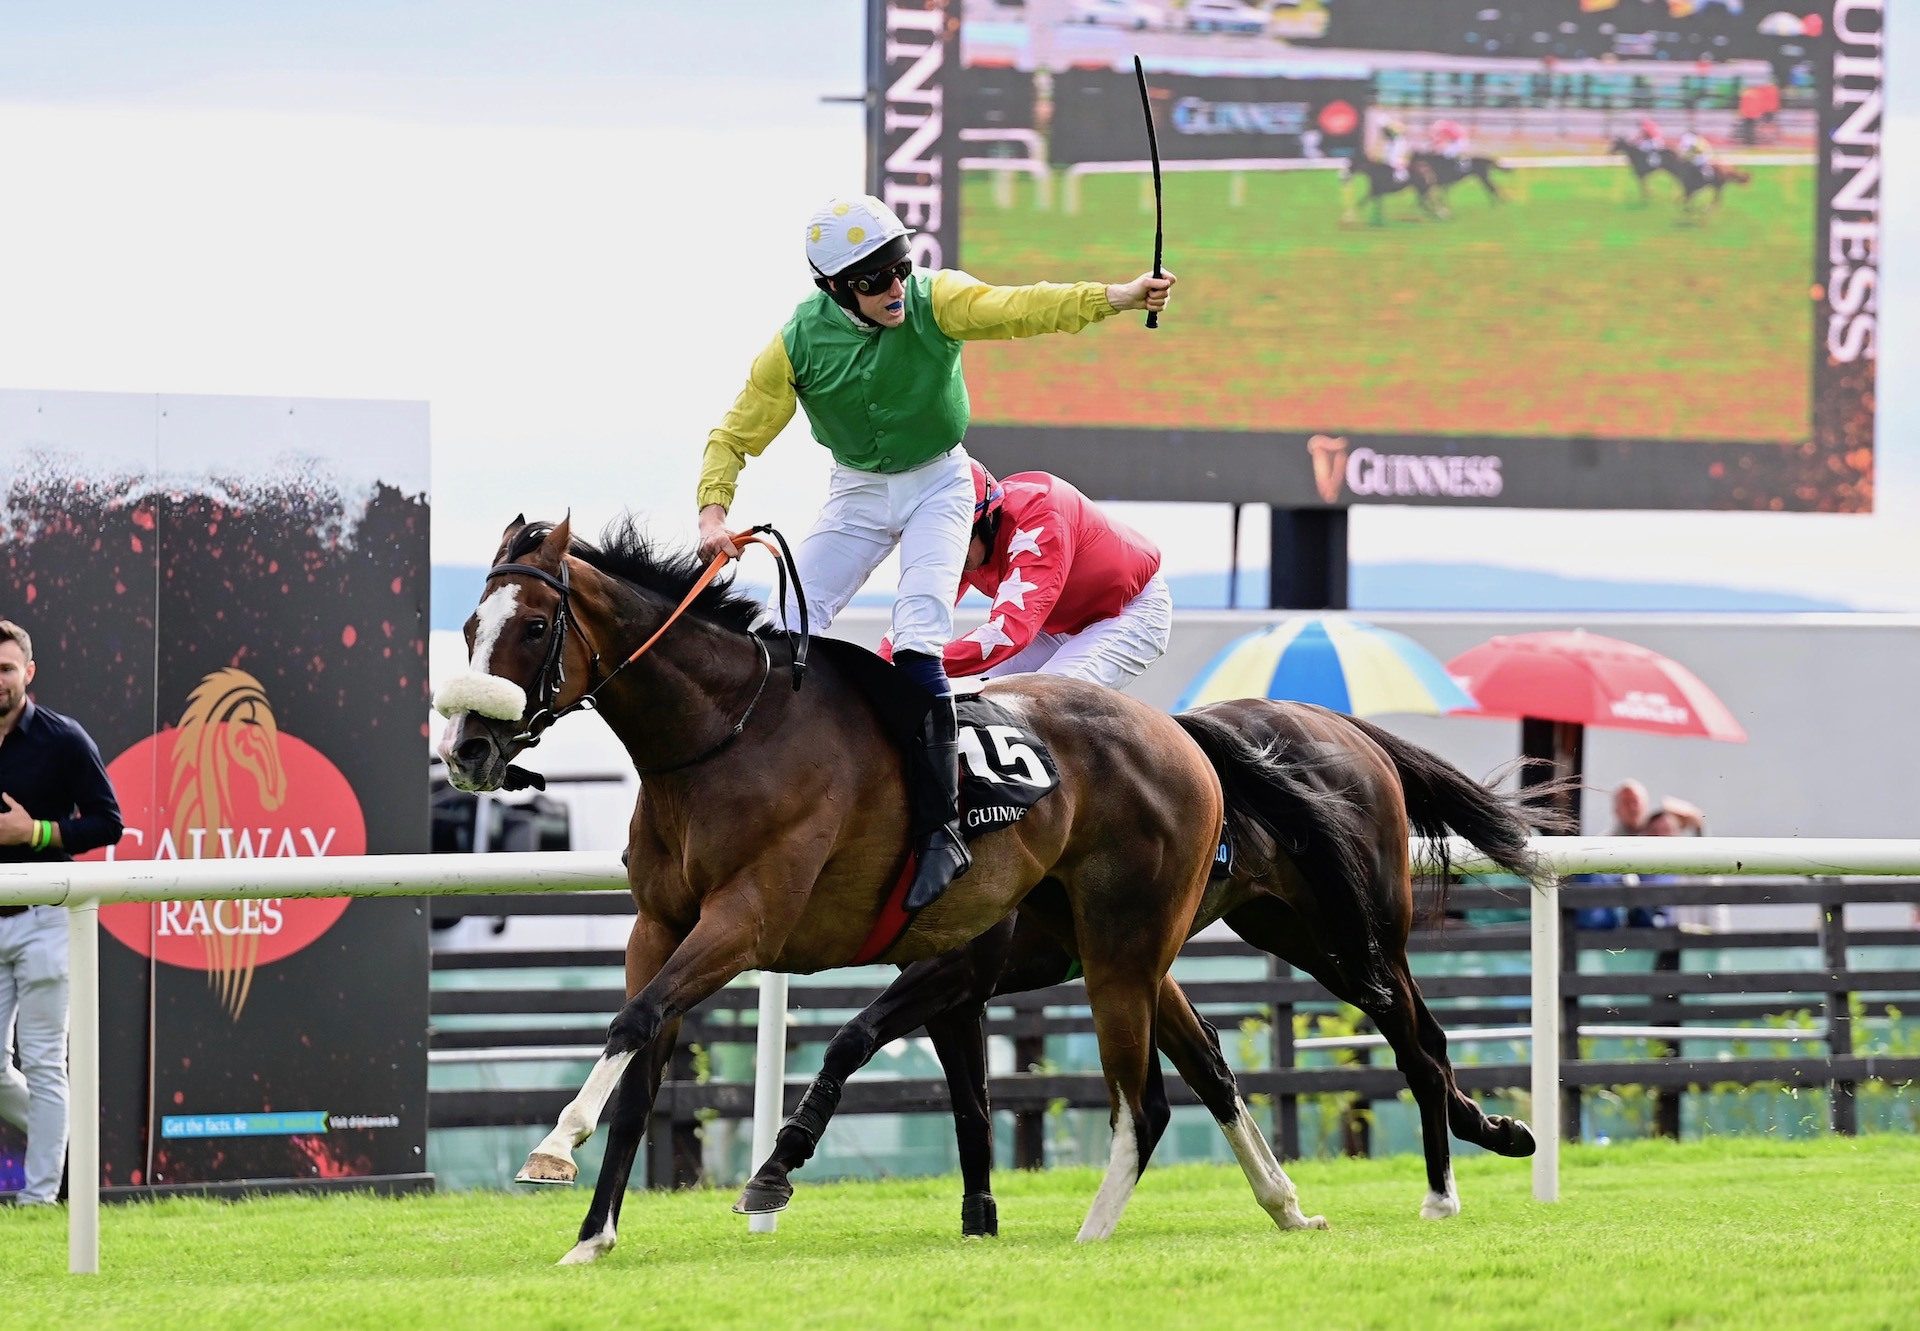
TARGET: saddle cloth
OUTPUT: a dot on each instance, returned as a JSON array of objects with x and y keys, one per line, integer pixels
[
  {"x": 1004, "y": 771},
  {"x": 1004, "y": 768}
]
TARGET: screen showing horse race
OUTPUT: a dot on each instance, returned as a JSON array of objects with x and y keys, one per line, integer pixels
[{"x": 1552, "y": 253}]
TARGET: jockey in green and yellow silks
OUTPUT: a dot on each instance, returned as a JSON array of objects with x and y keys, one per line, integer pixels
[{"x": 873, "y": 358}]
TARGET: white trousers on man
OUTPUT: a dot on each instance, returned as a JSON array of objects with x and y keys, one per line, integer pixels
[
  {"x": 33, "y": 1018},
  {"x": 1112, "y": 651},
  {"x": 927, "y": 512}
]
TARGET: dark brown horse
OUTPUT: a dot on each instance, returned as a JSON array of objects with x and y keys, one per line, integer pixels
[
  {"x": 1448, "y": 170},
  {"x": 1321, "y": 805},
  {"x": 1643, "y": 161},
  {"x": 772, "y": 820},
  {"x": 1693, "y": 177},
  {"x": 1383, "y": 179}
]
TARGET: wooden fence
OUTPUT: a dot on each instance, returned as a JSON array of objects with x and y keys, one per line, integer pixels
[{"x": 520, "y": 1022}]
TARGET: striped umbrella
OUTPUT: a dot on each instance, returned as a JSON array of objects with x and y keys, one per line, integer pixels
[{"x": 1346, "y": 664}]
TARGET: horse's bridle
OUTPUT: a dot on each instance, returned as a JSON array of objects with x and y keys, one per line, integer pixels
[{"x": 553, "y": 671}]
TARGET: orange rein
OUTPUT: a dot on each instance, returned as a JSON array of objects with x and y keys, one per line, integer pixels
[{"x": 739, "y": 542}]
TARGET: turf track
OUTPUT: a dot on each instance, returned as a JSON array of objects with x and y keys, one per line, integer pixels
[
  {"x": 1573, "y": 311},
  {"x": 1738, "y": 1233}
]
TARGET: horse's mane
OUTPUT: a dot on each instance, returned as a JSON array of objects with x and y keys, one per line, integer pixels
[{"x": 627, "y": 553}]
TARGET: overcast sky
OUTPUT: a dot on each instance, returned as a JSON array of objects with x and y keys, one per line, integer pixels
[{"x": 569, "y": 226}]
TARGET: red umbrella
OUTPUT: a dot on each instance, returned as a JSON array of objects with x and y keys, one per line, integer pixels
[{"x": 1559, "y": 683}]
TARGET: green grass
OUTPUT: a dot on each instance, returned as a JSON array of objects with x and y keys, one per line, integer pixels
[
  {"x": 1721, "y": 1233},
  {"x": 1571, "y": 311}
]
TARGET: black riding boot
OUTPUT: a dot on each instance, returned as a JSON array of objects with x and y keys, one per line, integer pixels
[{"x": 942, "y": 853}]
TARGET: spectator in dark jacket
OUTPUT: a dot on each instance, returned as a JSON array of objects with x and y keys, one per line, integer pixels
[{"x": 55, "y": 803}]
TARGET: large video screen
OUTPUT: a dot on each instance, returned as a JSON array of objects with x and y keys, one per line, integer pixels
[{"x": 1555, "y": 253}]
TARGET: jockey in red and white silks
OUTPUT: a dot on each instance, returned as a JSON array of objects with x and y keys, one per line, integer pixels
[
  {"x": 1448, "y": 138},
  {"x": 1073, "y": 591},
  {"x": 873, "y": 357}
]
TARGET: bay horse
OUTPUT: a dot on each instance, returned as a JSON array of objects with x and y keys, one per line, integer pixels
[
  {"x": 1319, "y": 810},
  {"x": 1382, "y": 180},
  {"x": 772, "y": 820}
]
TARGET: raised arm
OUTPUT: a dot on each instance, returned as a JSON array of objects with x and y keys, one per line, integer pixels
[{"x": 969, "y": 310}]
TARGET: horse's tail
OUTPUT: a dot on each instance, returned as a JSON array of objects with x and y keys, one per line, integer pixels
[
  {"x": 1740, "y": 177},
  {"x": 1297, "y": 799},
  {"x": 1443, "y": 800}
]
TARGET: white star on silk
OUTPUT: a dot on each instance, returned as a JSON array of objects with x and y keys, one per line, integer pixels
[
  {"x": 1025, "y": 542},
  {"x": 1014, "y": 589},
  {"x": 991, "y": 634}
]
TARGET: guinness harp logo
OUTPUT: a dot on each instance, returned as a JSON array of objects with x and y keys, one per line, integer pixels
[
  {"x": 227, "y": 783},
  {"x": 1329, "y": 465}
]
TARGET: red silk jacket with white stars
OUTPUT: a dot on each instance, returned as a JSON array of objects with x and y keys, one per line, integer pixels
[{"x": 1058, "y": 564}]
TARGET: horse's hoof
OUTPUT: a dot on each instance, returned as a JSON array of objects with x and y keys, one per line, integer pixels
[
  {"x": 979, "y": 1216},
  {"x": 1439, "y": 1206},
  {"x": 587, "y": 1251},
  {"x": 1520, "y": 1141},
  {"x": 544, "y": 1168},
  {"x": 763, "y": 1197}
]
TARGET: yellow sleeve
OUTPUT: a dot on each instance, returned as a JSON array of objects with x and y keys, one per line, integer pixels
[
  {"x": 759, "y": 414},
  {"x": 968, "y": 309}
]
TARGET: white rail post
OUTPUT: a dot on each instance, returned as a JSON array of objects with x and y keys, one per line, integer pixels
[
  {"x": 769, "y": 1080},
  {"x": 1546, "y": 1042},
  {"x": 83, "y": 1090}
]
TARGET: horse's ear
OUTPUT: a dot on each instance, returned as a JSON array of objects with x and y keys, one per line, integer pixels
[
  {"x": 559, "y": 540},
  {"x": 506, "y": 537}
]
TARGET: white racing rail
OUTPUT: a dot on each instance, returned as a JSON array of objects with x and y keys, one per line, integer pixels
[
  {"x": 84, "y": 888},
  {"x": 1236, "y": 169}
]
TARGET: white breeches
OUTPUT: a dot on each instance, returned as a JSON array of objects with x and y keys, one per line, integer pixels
[
  {"x": 927, "y": 512},
  {"x": 1109, "y": 651}
]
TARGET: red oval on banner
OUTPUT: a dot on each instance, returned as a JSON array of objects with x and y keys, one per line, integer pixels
[
  {"x": 246, "y": 791},
  {"x": 1338, "y": 118}
]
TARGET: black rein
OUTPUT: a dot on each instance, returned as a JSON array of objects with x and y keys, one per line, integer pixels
[{"x": 553, "y": 671}]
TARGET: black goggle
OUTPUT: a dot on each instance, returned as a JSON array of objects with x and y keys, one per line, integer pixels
[{"x": 872, "y": 284}]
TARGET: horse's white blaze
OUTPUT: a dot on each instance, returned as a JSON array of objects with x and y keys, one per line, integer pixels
[
  {"x": 1442, "y": 1205},
  {"x": 493, "y": 614},
  {"x": 1123, "y": 1171},
  {"x": 582, "y": 1114},
  {"x": 479, "y": 689},
  {"x": 1271, "y": 1186},
  {"x": 591, "y": 1250}
]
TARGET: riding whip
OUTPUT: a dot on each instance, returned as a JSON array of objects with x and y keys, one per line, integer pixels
[{"x": 1153, "y": 150}]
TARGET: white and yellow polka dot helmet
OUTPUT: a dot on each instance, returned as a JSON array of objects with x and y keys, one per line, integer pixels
[{"x": 844, "y": 231}]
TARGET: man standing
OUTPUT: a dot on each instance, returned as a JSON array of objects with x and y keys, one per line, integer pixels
[
  {"x": 873, "y": 358},
  {"x": 55, "y": 803}
]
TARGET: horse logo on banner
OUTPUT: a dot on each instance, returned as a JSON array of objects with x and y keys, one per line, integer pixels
[
  {"x": 1329, "y": 455},
  {"x": 236, "y": 787}
]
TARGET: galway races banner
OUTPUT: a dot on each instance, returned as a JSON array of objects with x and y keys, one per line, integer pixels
[{"x": 230, "y": 594}]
